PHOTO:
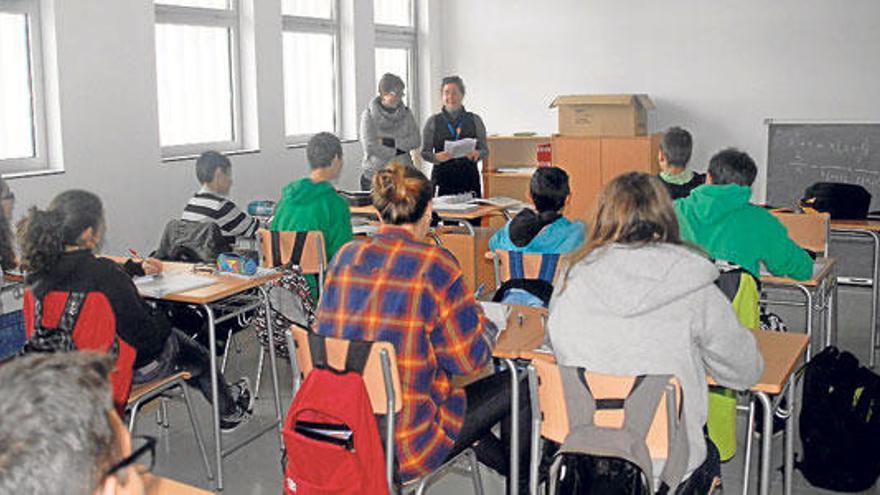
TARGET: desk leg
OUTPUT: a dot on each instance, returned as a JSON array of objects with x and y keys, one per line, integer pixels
[
  {"x": 750, "y": 437},
  {"x": 215, "y": 395},
  {"x": 789, "y": 435},
  {"x": 535, "y": 446},
  {"x": 514, "y": 427},
  {"x": 831, "y": 314},
  {"x": 272, "y": 362},
  {"x": 875, "y": 295},
  {"x": 808, "y": 298},
  {"x": 766, "y": 438}
]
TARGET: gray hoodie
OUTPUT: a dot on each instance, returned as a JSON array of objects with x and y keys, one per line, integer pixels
[
  {"x": 654, "y": 309},
  {"x": 378, "y": 122}
]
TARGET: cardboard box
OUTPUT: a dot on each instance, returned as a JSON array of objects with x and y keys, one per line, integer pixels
[{"x": 603, "y": 115}]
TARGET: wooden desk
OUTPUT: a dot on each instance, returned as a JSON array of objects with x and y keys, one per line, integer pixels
[
  {"x": 871, "y": 230},
  {"x": 157, "y": 485},
  {"x": 781, "y": 353},
  {"x": 212, "y": 297}
]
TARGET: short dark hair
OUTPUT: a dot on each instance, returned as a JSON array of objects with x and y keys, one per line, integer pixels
[
  {"x": 453, "y": 80},
  {"x": 391, "y": 83},
  {"x": 56, "y": 435},
  {"x": 676, "y": 146},
  {"x": 323, "y": 147},
  {"x": 732, "y": 166},
  {"x": 549, "y": 188},
  {"x": 208, "y": 163}
]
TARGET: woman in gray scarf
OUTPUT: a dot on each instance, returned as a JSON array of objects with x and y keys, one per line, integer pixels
[{"x": 388, "y": 130}]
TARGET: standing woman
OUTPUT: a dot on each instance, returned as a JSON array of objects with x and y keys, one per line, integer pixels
[
  {"x": 454, "y": 175},
  {"x": 388, "y": 130}
]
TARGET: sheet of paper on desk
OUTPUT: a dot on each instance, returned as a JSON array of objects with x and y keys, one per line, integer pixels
[
  {"x": 460, "y": 148},
  {"x": 368, "y": 229},
  {"x": 171, "y": 283},
  {"x": 497, "y": 313},
  {"x": 454, "y": 203},
  {"x": 500, "y": 202}
]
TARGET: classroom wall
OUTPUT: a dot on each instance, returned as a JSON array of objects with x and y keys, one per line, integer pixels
[
  {"x": 103, "y": 61},
  {"x": 716, "y": 68}
]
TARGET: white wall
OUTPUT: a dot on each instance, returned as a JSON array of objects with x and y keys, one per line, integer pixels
[
  {"x": 716, "y": 68},
  {"x": 104, "y": 59}
]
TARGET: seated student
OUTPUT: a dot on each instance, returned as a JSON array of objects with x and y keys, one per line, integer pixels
[
  {"x": 718, "y": 217},
  {"x": 8, "y": 258},
  {"x": 636, "y": 301},
  {"x": 59, "y": 432},
  {"x": 675, "y": 152},
  {"x": 58, "y": 253},
  {"x": 543, "y": 230},
  {"x": 211, "y": 203},
  {"x": 311, "y": 203},
  {"x": 397, "y": 288}
]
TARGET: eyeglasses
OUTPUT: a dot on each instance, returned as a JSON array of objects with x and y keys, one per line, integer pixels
[{"x": 144, "y": 453}]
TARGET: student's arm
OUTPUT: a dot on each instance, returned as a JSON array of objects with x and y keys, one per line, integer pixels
[
  {"x": 463, "y": 337},
  {"x": 136, "y": 322},
  {"x": 728, "y": 349},
  {"x": 236, "y": 223},
  {"x": 428, "y": 142},
  {"x": 339, "y": 232},
  {"x": 411, "y": 139},
  {"x": 370, "y": 140},
  {"x": 784, "y": 258}
]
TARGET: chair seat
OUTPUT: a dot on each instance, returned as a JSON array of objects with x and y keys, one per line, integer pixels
[{"x": 140, "y": 390}]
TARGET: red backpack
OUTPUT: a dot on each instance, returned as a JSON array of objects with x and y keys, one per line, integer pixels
[
  {"x": 330, "y": 433},
  {"x": 63, "y": 322}
]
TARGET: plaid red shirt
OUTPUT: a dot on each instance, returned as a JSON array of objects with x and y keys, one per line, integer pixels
[{"x": 396, "y": 289}]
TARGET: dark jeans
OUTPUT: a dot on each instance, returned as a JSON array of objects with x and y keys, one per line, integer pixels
[
  {"x": 455, "y": 177},
  {"x": 183, "y": 353},
  {"x": 488, "y": 403}
]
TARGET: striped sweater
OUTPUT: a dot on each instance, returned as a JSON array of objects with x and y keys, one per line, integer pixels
[{"x": 207, "y": 206}]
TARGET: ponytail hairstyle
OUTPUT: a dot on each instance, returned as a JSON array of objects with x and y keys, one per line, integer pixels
[
  {"x": 401, "y": 194},
  {"x": 634, "y": 208},
  {"x": 44, "y": 235}
]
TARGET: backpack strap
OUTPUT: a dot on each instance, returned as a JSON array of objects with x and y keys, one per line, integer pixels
[
  {"x": 548, "y": 267},
  {"x": 515, "y": 260},
  {"x": 70, "y": 313},
  {"x": 299, "y": 244},
  {"x": 358, "y": 353},
  {"x": 538, "y": 288},
  {"x": 275, "y": 240},
  {"x": 318, "y": 350}
]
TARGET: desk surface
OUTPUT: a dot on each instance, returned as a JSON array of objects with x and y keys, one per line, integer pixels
[
  {"x": 780, "y": 350},
  {"x": 224, "y": 286},
  {"x": 822, "y": 269},
  {"x": 873, "y": 225},
  {"x": 478, "y": 212},
  {"x": 157, "y": 485}
]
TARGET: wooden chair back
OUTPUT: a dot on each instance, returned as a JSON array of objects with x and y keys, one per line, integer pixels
[
  {"x": 808, "y": 230},
  {"x": 337, "y": 350},
  {"x": 554, "y": 417},
  {"x": 531, "y": 265},
  {"x": 314, "y": 257}
]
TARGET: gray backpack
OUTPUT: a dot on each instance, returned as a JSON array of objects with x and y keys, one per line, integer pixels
[
  {"x": 195, "y": 242},
  {"x": 608, "y": 460}
]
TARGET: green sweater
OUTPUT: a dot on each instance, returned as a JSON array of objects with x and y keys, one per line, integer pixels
[
  {"x": 307, "y": 205},
  {"x": 721, "y": 220}
]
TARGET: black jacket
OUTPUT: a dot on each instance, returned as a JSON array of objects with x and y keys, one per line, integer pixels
[{"x": 136, "y": 322}]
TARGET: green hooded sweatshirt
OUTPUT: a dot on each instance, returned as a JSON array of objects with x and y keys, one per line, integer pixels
[
  {"x": 307, "y": 205},
  {"x": 720, "y": 219}
]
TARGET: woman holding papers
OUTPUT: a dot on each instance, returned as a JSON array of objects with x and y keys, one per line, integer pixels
[
  {"x": 454, "y": 140},
  {"x": 58, "y": 253}
]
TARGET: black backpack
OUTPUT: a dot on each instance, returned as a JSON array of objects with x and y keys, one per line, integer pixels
[
  {"x": 840, "y": 423},
  {"x": 846, "y": 201}
]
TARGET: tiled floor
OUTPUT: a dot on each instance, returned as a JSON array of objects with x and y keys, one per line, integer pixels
[{"x": 255, "y": 469}]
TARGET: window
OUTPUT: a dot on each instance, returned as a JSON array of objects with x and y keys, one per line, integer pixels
[
  {"x": 22, "y": 122},
  {"x": 198, "y": 76},
  {"x": 311, "y": 68},
  {"x": 396, "y": 45}
]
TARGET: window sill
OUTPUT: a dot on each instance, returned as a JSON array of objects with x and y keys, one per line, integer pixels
[
  {"x": 302, "y": 145},
  {"x": 33, "y": 173},
  {"x": 186, "y": 157}
]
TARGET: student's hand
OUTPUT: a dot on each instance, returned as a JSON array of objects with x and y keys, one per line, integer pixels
[
  {"x": 442, "y": 156},
  {"x": 152, "y": 266},
  {"x": 473, "y": 155}
]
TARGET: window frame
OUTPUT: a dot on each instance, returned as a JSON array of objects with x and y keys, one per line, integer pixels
[
  {"x": 230, "y": 19},
  {"x": 316, "y": 25},
  {"x": 406, "y": 37},
  {"x": 39, "y": 130}
]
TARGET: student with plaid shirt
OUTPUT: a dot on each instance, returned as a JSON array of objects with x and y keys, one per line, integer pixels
[{"x": 396, "y": 288}]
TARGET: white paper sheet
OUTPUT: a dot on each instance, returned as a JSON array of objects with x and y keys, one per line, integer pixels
[
  {"x": 170, "y": 283},
  {"x": 460, "y": 148}
]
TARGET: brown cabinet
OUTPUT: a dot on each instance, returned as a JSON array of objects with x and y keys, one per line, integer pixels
[{"x": 591, "y": 162}]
